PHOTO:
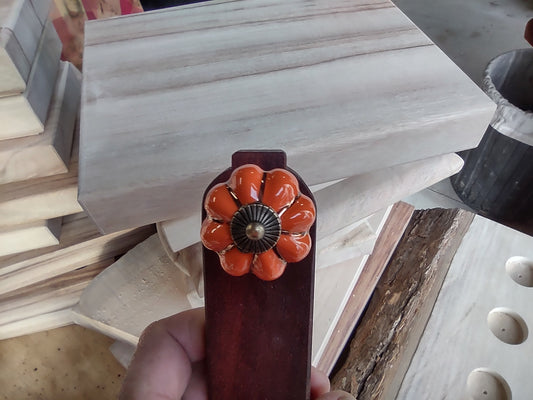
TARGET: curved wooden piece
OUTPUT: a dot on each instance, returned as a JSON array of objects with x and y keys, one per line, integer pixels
[{"x": 258, "y": 333}]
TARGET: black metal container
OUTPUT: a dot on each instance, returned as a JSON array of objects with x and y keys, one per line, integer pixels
[{"x": 497, "y": 178}]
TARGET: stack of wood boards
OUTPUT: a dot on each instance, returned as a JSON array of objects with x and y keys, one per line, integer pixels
[
  {"x": 39, "y": 103},
  {"x": 49, "y": 248}
]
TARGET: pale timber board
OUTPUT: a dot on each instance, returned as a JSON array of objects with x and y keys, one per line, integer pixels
[
  {"x": 48, "y": 296},
  {"x": 343, "y": 203},
  {"x": 80, "y": 244},
  {"x": 30, "y": 236},
  {"x": 43, "y": 322},
  {"x": 20, "y": 30},
  {"x": 25, "y": 114},
  {"x": 143, "y": 286},
  {"x": 47, "y": 153},
  {"x": 339, "y": 302},
  {"x": 40, "y": 198},
  {"x": 42, "y": 9},
  {"x": 457, "y": 339},
  {"x": 344, "y": 87}
]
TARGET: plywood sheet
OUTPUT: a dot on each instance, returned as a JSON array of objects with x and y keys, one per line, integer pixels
[
  {"x": 457, "y": 338},
  {"x": 30, "y": 236},
  {"x": 344, "y": 87},
  {"x": 20, "y": 30},
  {"x": 25, "y": 114},
  {"x": 47, "y": 153}
]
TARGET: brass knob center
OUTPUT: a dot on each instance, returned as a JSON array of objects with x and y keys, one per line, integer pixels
[{"x": 255, "y": 231}]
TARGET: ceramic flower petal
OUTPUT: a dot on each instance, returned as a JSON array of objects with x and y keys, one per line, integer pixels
[
  {"x": 281, "y": 188},
  {"x": 268, "y": 266},
  {"x": 246, "y": 182},
  {"x": 236, "y": 263},
  {"x": 294, "y": 248},
  {"x": 215, "y": 236},
  {"x": 219, "y": 203},
  {"x": 300, "y": 216}
]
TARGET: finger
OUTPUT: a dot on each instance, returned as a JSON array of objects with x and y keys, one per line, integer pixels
[
  {"x": 319, "y": 383},
  {"x": 197, "y": 389},
  {"x": 161, "y": 367},
  {"x": 336, "y": 395}
]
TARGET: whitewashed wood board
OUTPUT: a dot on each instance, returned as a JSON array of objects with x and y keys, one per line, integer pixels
[
  {"x": 40, "y": 198},
  {"x": 141, "y": 287},
  {"x": 20, "y": 30},
  {"x": 42, "y": 9},
  {"x": 43, "y": 322},
  {"x": 457, "y": 338},
  {"x": 30, "y": 236},
  {"x": 47, "y": 153},
  {"x": 344, "y": 87},
  {"x": 342, "y": 203},
  {"x": 80, "y": 244},
  {"x": 24, "y": 114}
]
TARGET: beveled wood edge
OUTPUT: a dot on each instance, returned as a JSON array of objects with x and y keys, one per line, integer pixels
[{"x": 392, "y": 231}]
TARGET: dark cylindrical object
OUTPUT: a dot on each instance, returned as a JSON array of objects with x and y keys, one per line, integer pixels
[{"x": 497, "y": 178}]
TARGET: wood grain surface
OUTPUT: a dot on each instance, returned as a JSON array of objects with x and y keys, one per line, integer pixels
[
  {"x": 374, "y": 266},
  {"x": 344, "y": 87},
  {"x": 457, "y": 338},
  {"x": 49, "y": 152},
  {"x": 80, "y": 244},
  {"x": 388, "y": 333},
  {"x": 25, "y": 114},
  {"x": 20, "y": 31}
]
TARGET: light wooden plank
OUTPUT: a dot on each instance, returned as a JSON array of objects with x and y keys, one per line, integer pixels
[
  {"x": 345, "y": 306},
  {"x": 345, "y": 202},
  {"x": 42, "y": 9},
  {"x": 457, "y": 338},
  {"x": 25, "y": 114},
  {"x": 142, "y": 287},
  {"x": 49, "y": 295},
  {"x": 20, "y": 30},
  {"x": 48, "y": 153},
  {"x": 260, "y": 74},
  {"x": 30, "y": 236},
  {"x": 43, "y": 322},
  {"x": 40, "y": 198},
  {"x": 388, "y": 332},
  {"x": 80, "y": 244}
]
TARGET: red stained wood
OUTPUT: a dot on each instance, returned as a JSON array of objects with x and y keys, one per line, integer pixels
[{"x": 258, "y": 334}]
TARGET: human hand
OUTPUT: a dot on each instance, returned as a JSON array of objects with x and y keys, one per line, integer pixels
[{"x": 168, "y": 363}]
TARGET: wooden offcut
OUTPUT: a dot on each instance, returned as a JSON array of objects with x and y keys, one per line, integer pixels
[
  {"x": 29, "y": 236},
  {"x": 80, "y": 244},
  {"x": 388, "y": 333},
  {"x": 41, "y": 198},
  {"x": 45, "y": 297},
  {"x": 25, "y": 114},
  {"x": 457, "y": 339},
  {"x": 367, "y": 280},
  {"x": 343, "y": 87},
  {"x": 49, "y": 152},
  {"x": 20, "y": 30}
]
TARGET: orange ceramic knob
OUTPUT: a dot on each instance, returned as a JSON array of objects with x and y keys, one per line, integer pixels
[{"x": 258, "y": 222}]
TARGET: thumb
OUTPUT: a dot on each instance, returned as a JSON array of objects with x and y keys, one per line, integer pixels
[{"x": 336, "y": 395}]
